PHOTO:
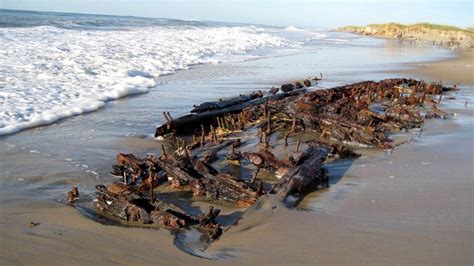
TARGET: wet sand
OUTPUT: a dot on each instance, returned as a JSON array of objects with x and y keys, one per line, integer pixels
[
  {"x": 458, "y": 70},
  {"x": 410, "y": 206}
]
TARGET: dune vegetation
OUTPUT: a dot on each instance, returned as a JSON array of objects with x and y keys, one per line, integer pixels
[{"x": 443, "y": 35}]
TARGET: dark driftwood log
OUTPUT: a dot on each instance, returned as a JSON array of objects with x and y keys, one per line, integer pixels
[
  {"x": 190, "y": 122},
  {"x": 287, "y": 87},
  {"x": 307, "y": 83},
  {"x": 307, "y": 171},
  {"x": 274, "y": 90},
  {"x": 299, "y": 85},
  {"x": 208, "y": 106}
]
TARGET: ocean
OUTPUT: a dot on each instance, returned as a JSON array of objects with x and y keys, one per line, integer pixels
[{"x": 58, "y": 65}]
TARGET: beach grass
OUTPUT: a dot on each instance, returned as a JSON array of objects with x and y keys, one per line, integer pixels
[{"x": 417, "y": 26}]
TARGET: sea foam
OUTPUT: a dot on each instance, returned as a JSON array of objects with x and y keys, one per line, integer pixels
[{"x": 48, "y": 73}]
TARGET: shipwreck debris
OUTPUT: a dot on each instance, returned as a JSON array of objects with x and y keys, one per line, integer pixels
[
  {"x": 331, "y": 123},
  {"x": 306, "y": 171},
  {"x": 72, "y": 195},
  {"x": 33, "y": 224}
]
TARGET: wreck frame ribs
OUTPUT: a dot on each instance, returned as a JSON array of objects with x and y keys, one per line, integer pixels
[{"x": 337, "y": 118}]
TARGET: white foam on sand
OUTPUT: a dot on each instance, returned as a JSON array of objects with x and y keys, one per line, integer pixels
[{"x": 49, "y": 73}]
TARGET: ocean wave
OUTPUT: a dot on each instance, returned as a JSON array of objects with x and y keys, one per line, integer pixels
[
  {"x": 315, "y": 36},
  {"x": 338, "y": 40},
  {"x": 293, "y": 28},
  {"x": 49, "y": 73}
]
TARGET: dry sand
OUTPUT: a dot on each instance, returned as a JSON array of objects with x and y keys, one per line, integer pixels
[{"x": 412, "y": 206}]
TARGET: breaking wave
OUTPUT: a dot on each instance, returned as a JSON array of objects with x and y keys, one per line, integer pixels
[{"x": 48, "y": 73}]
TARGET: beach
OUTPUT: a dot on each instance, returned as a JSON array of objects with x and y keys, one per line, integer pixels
[
  {"x": 409, "y": 205},
  {"x": 457, "y": 70}
]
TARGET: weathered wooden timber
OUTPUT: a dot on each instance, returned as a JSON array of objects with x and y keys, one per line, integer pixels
[
  {"x": 225, "y": 187},
  {"x": 306, "y": 171},
  {"x": 135, "y": 207},
  {"x": 187, "y": 123},
  {"x": 208, "y": 106}
]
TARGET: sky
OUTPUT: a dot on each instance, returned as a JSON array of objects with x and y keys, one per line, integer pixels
[{"x": 301, "y": 13}]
